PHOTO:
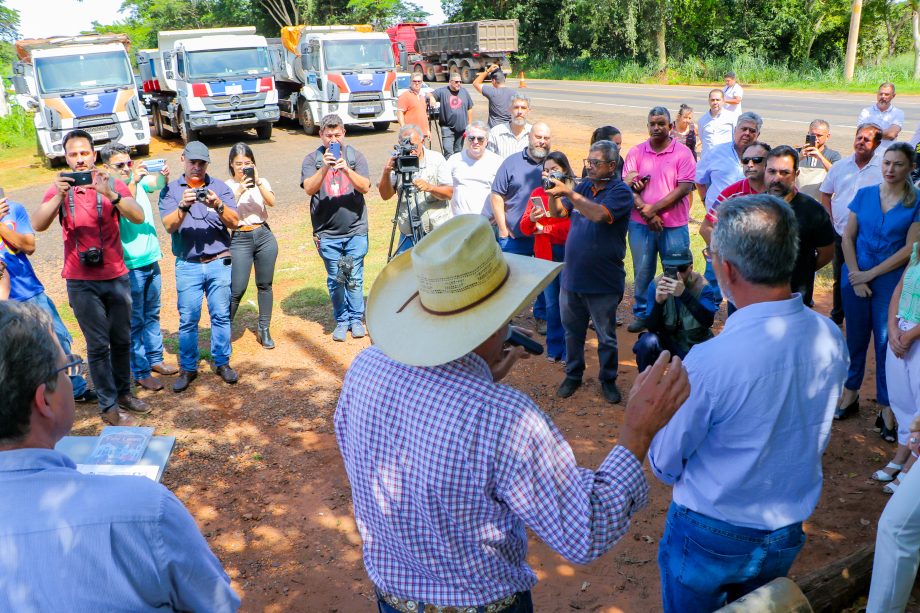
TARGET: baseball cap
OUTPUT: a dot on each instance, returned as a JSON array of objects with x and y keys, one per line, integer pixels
[
  {"x": 196, "y": 150},
  {"x": 677, "y": 257}
]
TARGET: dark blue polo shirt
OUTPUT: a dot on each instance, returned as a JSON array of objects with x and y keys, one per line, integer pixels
[
  {"x": 202, "y": 233},
  {"x": 518, "y": 175}
]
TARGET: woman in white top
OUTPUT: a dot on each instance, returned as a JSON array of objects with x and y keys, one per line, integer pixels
[{"x": 253, "y": 243}]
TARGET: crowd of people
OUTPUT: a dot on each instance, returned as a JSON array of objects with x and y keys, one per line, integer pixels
[{"x": 447, "y": 466}]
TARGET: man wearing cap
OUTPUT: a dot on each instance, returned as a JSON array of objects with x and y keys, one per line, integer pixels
[
  {"x": 446, "y": 466},
  {"x": 199, "y": 211},
  {"x": 680, "y": 310},
  {"x": 498, "y": 94}
]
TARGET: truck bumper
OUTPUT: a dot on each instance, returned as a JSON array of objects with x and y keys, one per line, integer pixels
[
  {"x": 359, "y": 111},
  {"x": 128, "y": 133},
  {"x": 214, "y": 122}
]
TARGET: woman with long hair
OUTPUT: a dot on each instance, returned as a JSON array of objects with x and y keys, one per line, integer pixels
[{"x": 683, "y": 130}]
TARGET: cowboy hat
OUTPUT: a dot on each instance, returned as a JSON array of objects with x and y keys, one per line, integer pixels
[{"x": 452, "y": 291}]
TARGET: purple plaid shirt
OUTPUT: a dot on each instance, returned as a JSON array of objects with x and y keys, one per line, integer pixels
[{"x": 446, "y": 469}]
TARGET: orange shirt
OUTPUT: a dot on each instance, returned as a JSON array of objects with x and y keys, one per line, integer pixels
[{"x": 414, "y": 109}]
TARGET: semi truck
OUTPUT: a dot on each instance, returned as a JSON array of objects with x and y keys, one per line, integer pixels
[
  {"x": 209, "y": 81},
  {"x": 347, "y": 70},
  {"x": 467, "y": 48},
  {"x": 83, "y": 82}
]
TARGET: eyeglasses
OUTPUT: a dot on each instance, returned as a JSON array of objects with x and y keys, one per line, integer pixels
[
  {"x": 594, "y": 163},
  {"x": 476, "y": 139},
  {"x": 414, "y": 81},
  {"x": 73, "y": 367},
  {"x": 121, "y": 165},
  {"x": 756, "y": 160}
]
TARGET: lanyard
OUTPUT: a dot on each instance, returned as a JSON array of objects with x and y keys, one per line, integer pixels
[{"x": 73, "y": 215}]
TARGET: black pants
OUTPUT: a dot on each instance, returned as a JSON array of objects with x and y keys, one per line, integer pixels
[
  {"x": 451, "y": 141},
  {"x": 837, "y": 309},
  {"x": 103, "y": 310},
  {"x": 257, "y": 247}
]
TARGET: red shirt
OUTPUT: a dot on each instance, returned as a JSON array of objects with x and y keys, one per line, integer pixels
[
  {"x": 740, "y": 188},
  {"x": 555, "y": 229},
  {"x": 87, "y": 233}
]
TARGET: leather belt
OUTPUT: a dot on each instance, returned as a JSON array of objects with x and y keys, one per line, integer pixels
[
  {"x": 247, "y": 228},
  {"x": 414, "y": 606},
  {"x": 211, "y": 258}
]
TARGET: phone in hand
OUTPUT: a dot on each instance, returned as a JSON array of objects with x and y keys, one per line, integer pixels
[
  {"x": 537, "y": 204},
  {"x": 336, "y": 150},
  {"x": 250, "y": 172},
  {"x": 811, "y": 140},
  {"x": 670, "y": 272},
  {"x": 80, "y": 178}
]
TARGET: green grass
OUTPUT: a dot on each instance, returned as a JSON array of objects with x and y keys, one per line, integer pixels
[{"x": 17, "y": 130}]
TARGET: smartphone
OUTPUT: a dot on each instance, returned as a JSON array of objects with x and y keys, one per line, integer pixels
[
  {"x": 250, "y": 172},
  {"x": 537, "y": 204},
  {"x": 670, "y": 272},
  {"x": 154, "y": 165},
  {"x": 80, "y": 178},
  {"x": 336, "y": 150},
  {"x": 811, "y": 140}
]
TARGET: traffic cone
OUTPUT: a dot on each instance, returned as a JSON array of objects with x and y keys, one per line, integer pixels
[{"x": 522, "y": 84}]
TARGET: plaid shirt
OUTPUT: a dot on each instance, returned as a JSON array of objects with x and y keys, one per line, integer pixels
[{"x": 446, "y": 469}]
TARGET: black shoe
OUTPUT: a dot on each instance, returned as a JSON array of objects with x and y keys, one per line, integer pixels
[
  {"x": 611, "y": 392},
  {"x": 89, "y": 395},
  {"x": 265, "y": 338},
  {"x": 568, "y": 387},
  {"x": 133, "y": 404},
  {"x": 227, "y": 374},
  {"x": 636, "y": 326},
  {"x": 848, "y": 411},
  {"x": 184, "y": 379},
  {"x": 837, "y": 318}
]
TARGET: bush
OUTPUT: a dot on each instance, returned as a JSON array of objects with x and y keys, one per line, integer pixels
[{"x": 16, "y": 129}]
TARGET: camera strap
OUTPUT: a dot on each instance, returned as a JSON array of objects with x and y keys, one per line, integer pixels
[{"x": 73, "y": 215}]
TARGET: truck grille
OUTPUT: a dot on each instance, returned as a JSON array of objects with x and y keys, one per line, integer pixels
[
  {"x": 223, "y": 103},
  {"x": 95, "y": 120},
  {"x": 366, "y": 97},
  {"x": 365, "y": 105}
]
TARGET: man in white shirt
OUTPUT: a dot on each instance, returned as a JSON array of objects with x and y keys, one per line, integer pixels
[
  {"x": 509, "y": 138},
  {"x": 843, "y": 180},
  {"x": 471, "y": 172},
  {"x": 717, "y": 125},
  {"x": 732, "y": 93},
  {"x": 743, "y": 453},
  {"x": 884, "y": 114}
]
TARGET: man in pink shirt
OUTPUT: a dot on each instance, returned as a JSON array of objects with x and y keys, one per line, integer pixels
[{"x": 661, "y": 172}]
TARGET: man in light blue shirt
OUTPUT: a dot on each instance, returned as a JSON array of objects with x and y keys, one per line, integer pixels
[
  {"x": 744, "y": 451},
  {"x": 75, "y": 542}
]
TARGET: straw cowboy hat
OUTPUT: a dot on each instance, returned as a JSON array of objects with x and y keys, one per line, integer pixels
[{"x": 452, "y": 291}]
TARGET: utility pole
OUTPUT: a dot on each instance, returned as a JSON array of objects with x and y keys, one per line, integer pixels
[{"x": 852, "y": 41}]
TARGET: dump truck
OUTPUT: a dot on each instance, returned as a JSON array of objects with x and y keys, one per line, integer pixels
[
  {"x": 83, "y": 82},
  {"x": 467, "y": 48},
  {"x": 210, "y": 81},
  {"x": 346, "y": 70}
]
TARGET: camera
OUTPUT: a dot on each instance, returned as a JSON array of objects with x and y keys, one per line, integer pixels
[
  {"x": 406, "y": 160},
  {"x": 548, "y": 181},
  {"x": 91, "y": 257},
  {"x": 201, "y": 194}
]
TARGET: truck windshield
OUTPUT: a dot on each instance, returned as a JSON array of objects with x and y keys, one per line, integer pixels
[
  {"x": 358, "y": 54},
  {"x": 227, "y": 63},
  {"x": 83, "y": 71}
]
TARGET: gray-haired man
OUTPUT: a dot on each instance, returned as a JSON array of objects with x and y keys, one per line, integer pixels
[{"x": 509, "y": 138}]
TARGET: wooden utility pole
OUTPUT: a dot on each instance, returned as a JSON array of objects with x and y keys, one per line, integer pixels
[{"x": 852, "y": 40}]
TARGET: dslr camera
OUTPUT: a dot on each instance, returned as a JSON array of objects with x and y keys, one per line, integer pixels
[
  {"x": 91, "y": 257},
  {"x": 548, "y": 181},
  {"x": 406, "y": 160},
  {"x": 201, "y": 194}
]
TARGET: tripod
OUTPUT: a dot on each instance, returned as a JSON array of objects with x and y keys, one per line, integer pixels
[{"x": 406, "y": 198}]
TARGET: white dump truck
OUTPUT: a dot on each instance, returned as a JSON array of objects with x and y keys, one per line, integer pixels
[
  {"x": 209, "y": 81},
  {"x": 81, "y": 82},
  {"x": 346, "y": 70}
]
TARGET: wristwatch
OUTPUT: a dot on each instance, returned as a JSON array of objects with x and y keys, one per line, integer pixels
[
  {"x": 116, "y": 199},
  {"x": 185, "y": 208},
  {"x": 220, "y": 209}
]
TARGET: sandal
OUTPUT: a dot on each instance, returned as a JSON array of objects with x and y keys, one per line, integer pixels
[
  {"x": 889, "y": 434},
  {"x": 891, "y": 488},
  {"x": 882, "y": 476}
]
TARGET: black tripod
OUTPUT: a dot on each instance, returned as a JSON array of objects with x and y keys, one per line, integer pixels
[{"x": 406, "y": 198}]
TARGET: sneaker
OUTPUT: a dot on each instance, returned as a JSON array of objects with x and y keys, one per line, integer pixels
[
  {"x": 637, "y": 326},
  {"x": 87, "y": 396},
  {"x": 611, "y": 392},
  {"x": 340, "y": 332},
  {"x": 358, "y": 330},
  {"x": 541, "y": 326},
  {"x": 116, "y": 417},
  {"x": 568, "y": 387}
]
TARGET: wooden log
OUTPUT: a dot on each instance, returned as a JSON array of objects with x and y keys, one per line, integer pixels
[
  {"x": 838, "y": 585},
  {"x": 779, "y": 596}
]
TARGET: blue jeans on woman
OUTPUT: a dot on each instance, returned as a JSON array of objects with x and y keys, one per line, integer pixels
[
  {"x": 555, "y": 333},
  {"x": 865, "y": 317},
  {"x": 706, "y": 563},
  {"x": 194, "y": 282},
  {"x": 146, "y": 337},
  {"x": 523, "y": 245},
  {"x": 348, "y": 297},
  {"x": 645, "y": 246}
]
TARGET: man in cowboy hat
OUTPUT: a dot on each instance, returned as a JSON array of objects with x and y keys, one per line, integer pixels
[{"x": 446, "y": 466}]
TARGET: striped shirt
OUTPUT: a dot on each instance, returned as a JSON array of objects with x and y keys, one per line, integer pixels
[
  {"x": 447, "y": 468},
  {"x": 503, "y": 141}
]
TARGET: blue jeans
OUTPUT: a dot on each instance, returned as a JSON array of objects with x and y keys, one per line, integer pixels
[
  {"x": 451, "y": 142},
  {"x": 867, "y": 317},
  {"x": 42, "y": 301},
  {"x": 404, "y": 243},
  {"x": 524, "y": 604},
  {"x": 194, "y": 281},
  {"x": 646, "y": 246},
  {"x": 706, "y": 563},
  {"x": 523, "y": 245},
  {"x": 710, "y": 275},
  {"x": 146, "y": 338},
  {"x": 555, "y": 333},
  {"x": 576, "y": 309},
  {"x": 347, "y": 304}
]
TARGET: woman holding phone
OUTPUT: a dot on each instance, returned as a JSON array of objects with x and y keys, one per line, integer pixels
[
  {"x": 549, "y": 235},
  {"x": 253, "y": 243}
]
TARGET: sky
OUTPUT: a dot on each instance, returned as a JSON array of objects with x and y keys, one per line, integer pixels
[{"x": 41, "y": 18}]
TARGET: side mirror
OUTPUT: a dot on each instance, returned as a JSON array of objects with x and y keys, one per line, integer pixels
[
  {"x": 32, "y": 104},
  {"x": 168, "y": 65}
]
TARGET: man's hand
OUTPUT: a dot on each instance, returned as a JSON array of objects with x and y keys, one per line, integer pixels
[
  {"x": 390, "y": 164},
  {"x": 63, "y": 183},
  {"x": 165, "y": 170},
  {"x": 655, "y": 224},
  {"x": 213, "y": 200},
  {"x": 4, "y": 208},
  {"x": 504, "y": 232},
  {"x": 677, "y": 286},
  {"x": 340, "y": 163},
  {"x": 422, "y": 185},
  {"x": 101, "y": 185},
  {"x": 510, "y": 355},
  {"x": 329, "y": 159},
  {"x": 656, "y": 395},
  {"x": 140, "y": 171},
  {"x": 559, "y": 189},
  {"x": 663, "y": 290},
  {"x": 188, "y": 196},
  {"x": 647, "y": 211}
]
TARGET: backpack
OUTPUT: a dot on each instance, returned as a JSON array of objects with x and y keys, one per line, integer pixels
[{"x": 350, "y": 156}]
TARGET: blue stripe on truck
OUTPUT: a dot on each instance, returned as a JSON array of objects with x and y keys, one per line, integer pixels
[{"x": 93, "y": 104}]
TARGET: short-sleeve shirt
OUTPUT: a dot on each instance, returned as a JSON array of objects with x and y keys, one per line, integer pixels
[
  {"x": 24, "y": 283},
  {"x": 740, "y": 188},
  {"x": 812, "y": 173},
  {"x": 716, "y": 130},
  {"x": 415, "y": 109},
  {"x": 880, "y": 236},
  {"x": 594, "y": 252},
  {"x": 251, "y": 205},
  {"x": 815, "y": 231},
  {"x": 431, "y": 210},
  {"x": 472, "y": 181},
  {"x": 843, "y": 180},
  {"x": 909, "y": 304},
  {"x": 91, "y": 230},
  {"x": 733, "y": 91},
  {"x": 139, "y": 240},
  {"x": 667, "y": 168},
  {"x": 454, "y": 107},
  {"x": 503, "y": 141},
  {"x": 202, "y": 234},
  {"x": 499, "y": 103},
  {"x": 717, "y": 170},
  {"x": 883, "y": 119},
  {"x": 518, "y": 175},
  {"x": 337, "y": 210}
]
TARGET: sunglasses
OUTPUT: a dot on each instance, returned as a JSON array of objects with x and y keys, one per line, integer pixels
[
  {"x": 477, "y": 139},
  {"x": 414, "y": 81},
  {"x": 756, "y": 160},
  {"x": 72, "y": 368},
  {"x": 121, "y": 165}
]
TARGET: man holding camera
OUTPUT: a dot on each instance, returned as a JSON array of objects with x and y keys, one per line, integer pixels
[
  {"x": 200, "y": 211},
  {"x": 498, "y": 94},
  {"x": 142, "y": 255},
  {"x": 680, "y": 310},
  {"x": 815, "y": 159},
  {"x": 412, "y": 105},
  {"x": 335, "y": 177},
  {"x": 431, "y": 186},
  {"x": 455, "y": 112},
  {"x": 89, "y": 204}
]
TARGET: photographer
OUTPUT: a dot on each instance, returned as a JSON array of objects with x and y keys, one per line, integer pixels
[
  {"x": 498, "y": 94},
  {"x": 432, "y": 183},
  {"x": 455, "y": 113},
  {"x": 680, "y": 310},
  {"x": 89, "y": 204},
  {"x": 199, "y": 211},
  {"x": 815, "y": 159}
]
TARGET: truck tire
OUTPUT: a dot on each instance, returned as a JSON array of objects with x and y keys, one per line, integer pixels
[
  {"x": 142, "y": 150},
  {"x": 45, "y": 160},
  {"x": 158, "y": 128},
  {"x": 306, "y": 119},
  {"x": 264, "y": 132},
  {"x": 381, "y": 126},
  {"x": 430, "y": 74},
  {"x": 185, "y": 130},
  {"x": 467, "y": 73}
]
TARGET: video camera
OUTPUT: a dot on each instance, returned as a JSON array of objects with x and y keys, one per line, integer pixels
[
  {"x": 559, "y": 176},
  {"x": 406, "y": 159}
]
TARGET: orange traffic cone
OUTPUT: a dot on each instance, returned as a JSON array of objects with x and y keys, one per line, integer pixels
[{"x": 521, "y": 78}]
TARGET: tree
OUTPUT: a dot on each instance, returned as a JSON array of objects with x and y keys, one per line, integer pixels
[
  {"x": 852, "y": 40},
  {"x": 282, "y": 12},
  {"x": 915, "y": 30},
  {"x": 9, "y": 23}
]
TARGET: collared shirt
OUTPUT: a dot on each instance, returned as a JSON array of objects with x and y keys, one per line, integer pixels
[
  {"x": 24, "y": 283},
  {"x": 842, "y": 182},
  {"x": 430, "y": 210},
  {"x": 472, "y": 181},
  {"x": 718, "y": 170},
  {"x": 503, "y": 141},
  {"x": 733, "y": 91},
  {"x": 883, "y": 119},
  {"x": 746, "y": 446},
  {"x": 667, "y": 168},
  {"x": 518, "y": 175},
  {"x": 202, "y": 233},
  {"x": 716, "y": 130},
  {"x": 739, "y": 188},
  {"x": 139, "y": 240},
  {"x": 415, "y": 109},
  {"x": 447, "y": 468},
  {"x": 74, "y": 542}
]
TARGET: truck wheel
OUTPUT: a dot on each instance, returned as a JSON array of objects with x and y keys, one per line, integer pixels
[
  {"x": 430, "y": 74},
  {"x": 467, "y": 73},
  {"x": 45, "y": 160},
  {"x": 185, "y": 131},
  {"x": 381, "y": 126},
  {"x": 158, "y": 123},
  {"x": 264, "y": 132},
  {"x": 306, "y": 119},
  {"x": 142, "y": 150}
]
